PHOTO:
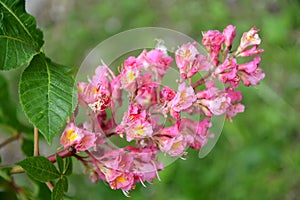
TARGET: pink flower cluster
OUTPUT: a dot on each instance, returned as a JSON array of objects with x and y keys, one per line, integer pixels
[{"x": 140, "y": 79}]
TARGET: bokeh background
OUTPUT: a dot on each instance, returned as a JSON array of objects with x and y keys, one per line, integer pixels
[{"x": 258, "y": 154}]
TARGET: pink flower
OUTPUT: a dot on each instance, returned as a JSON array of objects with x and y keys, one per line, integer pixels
[
  {"x": 174, "y": 114},
  {"x": 252, "y": 78},
  {"x": 135, "y": 112},
  {"x": 234, "y": 107},
  {"x": 138, "y": 130},
  {"x": 199, "y": 64},
  {"x": 71, "y": 135},
  {"x": 250, "y": 52},
  {"x": 185, "y": 57},
  {"x": 250, "y": 66},
  {"x": 213, "y": 101},
  {"x": 116, "y": 92},
  {"x": 81, "y": 139},
  {"x": 101, "y": 72},
  {"x": 249, "y": 38},
  {"x": 210, "y": 92},
  {"x": 122, "y": 168},
  {"x": 146, "y": 92},
  {"x": 178, "y": 146},
  {"x": 119, "y": 180},
  {"x": 195, "y": 133},
  {"x": 184, "y": 98},
  {"x": 130, "y": 73},
  {"x": 156, "y": 60},
  {"x": 235, "y": 96},
  {"x": 190, "y": 61},
  {"x": 170, "y": 141},
  {"x": 167, "y": 94},
  {"x": 229, "y": 34},
  {"x": 88, "y": 141},
  {"x": 96, "y": 94},
  {"x": 173, "y": 146},
  {"x": 233, "y": 110},
  {"x": 227, "y": 71},
  {"x": 145, "y": 165},
  {"x": 250, "y": 73},
  {"x": 219, "y": 105},
  {"x": 213, "y": 41}
]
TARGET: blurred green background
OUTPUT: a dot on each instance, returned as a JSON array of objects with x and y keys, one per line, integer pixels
[{"x": 258, "y": 154}]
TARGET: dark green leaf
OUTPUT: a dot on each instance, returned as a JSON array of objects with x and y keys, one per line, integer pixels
[
  {"x": 8, "y": 193},
  {"x": 46, "y": 95},
  {"x": 20, "y": 40},
  {"x": 60, "y": 163},
  {"x": 43, "y": 193},
  {"x": 8, "y": 112},
  {"x": 68, "y": 166},
  {"x": 27, "y": 146},
  {"x": 65, "y": 183},
  {"x": 39, "y": 168},
  {"x": 8, "y": 118},
  {"x": 59, "y": 188}
]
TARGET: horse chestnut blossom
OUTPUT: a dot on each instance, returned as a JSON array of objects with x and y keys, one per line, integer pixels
[{"x": 140, "y": 126}]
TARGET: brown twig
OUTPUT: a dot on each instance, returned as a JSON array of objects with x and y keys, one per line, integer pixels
[
  {"x": 10, "y": 139},
  {"x": 36, "y": 142}
]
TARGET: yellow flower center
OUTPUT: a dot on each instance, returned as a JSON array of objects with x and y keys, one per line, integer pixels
[
  {"x": 130, "y": 76},
  {"x": 71, "y": 135},
  {"x": 120, "y": 179},
  {"x": 139, "y": 130},
  {"x": 187, "y": 54}
]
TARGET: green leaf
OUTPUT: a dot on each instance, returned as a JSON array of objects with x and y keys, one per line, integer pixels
[
  {"x": 60, "y": 163},
  {"x": 43, "y": 192},
  {"x": 46, "y": 95},
  {"x": 59, "y": 188},
  {"x": 65, "y": 183},
  {"x": 39, "y": 168},
  {"x": 8, "y": 111},
  {"x": 68, "y": 166},
  {"x": 20, "y": 40},
  {"x": 8, "y": 118},
  {"x": 27, "y": 146}
]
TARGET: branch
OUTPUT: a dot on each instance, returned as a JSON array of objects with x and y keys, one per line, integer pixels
[
  {"x": 63, "y": 154},
  {"x": 36, "y": 142},
  {"x": 10, "y": 139}
]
